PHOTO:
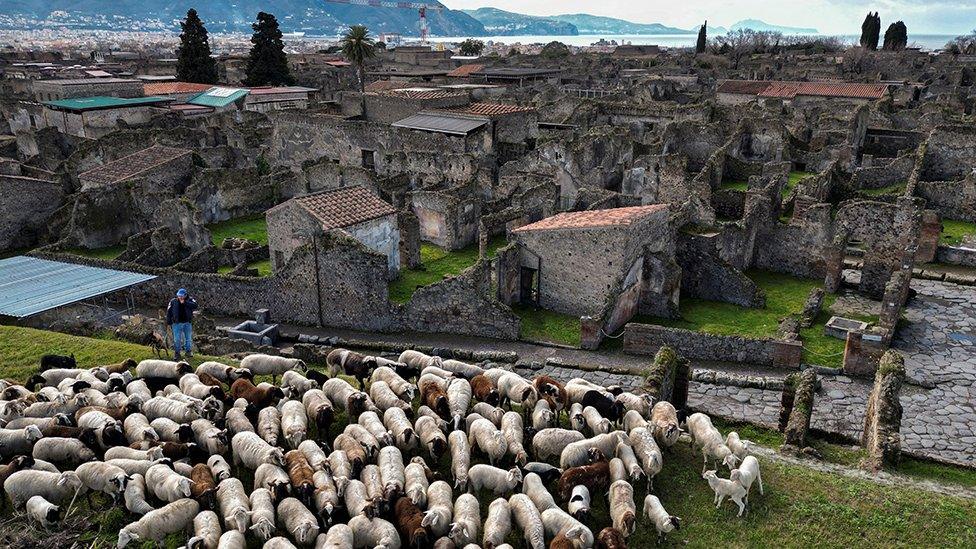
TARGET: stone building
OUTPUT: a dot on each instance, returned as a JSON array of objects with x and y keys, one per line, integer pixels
[
  {"x": 354, "y": 210},
  {"x": 96, "y": 116},
  {"x": 167, "y": 166},
  {"x": 269, "y": 98},
  {"x": 71, "y": 88},
  {"x": 733, "y": 92}
]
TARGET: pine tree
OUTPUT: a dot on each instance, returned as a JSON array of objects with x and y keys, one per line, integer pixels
[
  {"x": 702, "y": 39},
  {"x": 194, "y": 63},
  {"x": 267, "y": 64},
  {"x": 896, "y": 37}
]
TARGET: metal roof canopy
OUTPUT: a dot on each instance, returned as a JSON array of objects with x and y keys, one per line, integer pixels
[
  {"x": 29, "y": 285},
  {"x": 442, "y": 123}
]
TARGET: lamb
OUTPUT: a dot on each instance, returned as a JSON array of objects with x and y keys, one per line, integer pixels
[
  {"x": 169, "y": 430},
  {"x": 300, "y": 474},
  {"x": 166, "y": 484},
  {"x": 70, "y": 451},
  {"x": 514, "y": 388},
  {"x": 203, "y": 488},
  {"x": 579, "y": 503},
  {"x": 493, "y": 414},
  {"x": 403, "y": 388},
  {"x": 467, "y": 520},
  {"x": 18, "y": 441},
  {"x": 357, "y": 501},
  {"x": 271, "y": 365},
  {"x": 260, "y": 395},
  {"x": 297, "y": 384},
  {"x": 417, "y": 361},
  {"x": 629, "y": 461},
  {"x": 54, "y": 487},
  {"x": 298, "y": 521},
  {"x": 384, "y": 397},
  {"x": 326, "y": 497},
  {"x": 533, "y": 487},
  {"x": 709, "y": 440},
  {"x": 484, "y": 390},
  {"x": 551, "y": 442},
  {"x": 595, "y": 476},
  {"x": 623, "y": 510},
  {"x": 135, "y": 495},
  {"x": 165, "y": 369},
  {"x": 374, "y": 533},
  {"x": 497, "y": 481},
  {"x": 498, "y": 524},
  {"x": 157, "y": 524},
  {"x": 746, "y": 474},
  {"x": 294, "y": 423},
  {"x": 351, "y": 363},
  {"x": 440, "y": 506},
  {"x": 512, "y": 430},
  {"x": 664, "y": 419},
  {"x": 484, "y": 436},
  {"x": 249, "y": 450},
  {"x": 409, "y": 519},
  {"x": 664, "y": 523},
  {"x": 43, "y": 512},
  {"x": 738, "y": 446},
  {"x": 340, "y": 536},
  {"x": 392, "y": 473},
  {"x": 99, "y": 476},
  {"x": 402, "y": 431},
  {"x": 458, "y": 399},
  {"x": 560, "y": 523},
  {"x": 578, "y": 453},
  {"x": 460, "y": 459},
  {"x": 274, "y": 479},
  {"x": 597, "y": 424},
  {"x": 726, "y": 488},
  {"x": 542, "y": 416},
  {"x": 646, "y": 449}
]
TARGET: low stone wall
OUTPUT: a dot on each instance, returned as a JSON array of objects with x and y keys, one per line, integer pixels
[
  {"x": 952, "y": 255},
  {"x": 645, "y": 339},
  {"x": 882, "y": 422},
  {"x": 667, "y": 378},
  {"x": 802, "y": 386}
]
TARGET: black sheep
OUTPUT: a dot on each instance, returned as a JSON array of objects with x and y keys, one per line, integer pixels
[
  {"x": 57, "y": 361},
  {"x": 608, "y": 407}
]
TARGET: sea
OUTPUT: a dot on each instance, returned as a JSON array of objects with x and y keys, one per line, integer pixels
[{"x": 925, "y": 41}]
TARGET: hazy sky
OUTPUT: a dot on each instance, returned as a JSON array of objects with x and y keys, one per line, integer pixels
[{"x": 830, "y": 16}]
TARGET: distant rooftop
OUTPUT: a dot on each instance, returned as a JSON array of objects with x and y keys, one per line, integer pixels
[
  {"x": 218, "y": 96},
  {"x": 465, "y": 71},
  {"x": 87, "y": 81},
  {"x": 81, "y": 104},
  {"x": 614, "y": 217},
  {"x": 442, "y": 122},
  {"x": 789, "y": 90},
  {"x": 338, "y": 208},
  {"x": 132, "y": 165},
  {"x": 424, "y": 94},
  {"x": 515, "y": 72},
  {"x": 174, "y": 88},
  {"x": 269, "y": 90},
  {"x": 489, "y": 109}
]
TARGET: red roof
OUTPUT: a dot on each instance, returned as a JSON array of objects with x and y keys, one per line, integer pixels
[
  {"x": 614, "y": 217},
  {"x": 384, "y": 85},
  {"x": 789, "y": 90},
  {"x": 425, "y": 94},
  {"x": 337, "y": 208},
  {"x": 465, "y": 71},
  {"x": 174, "y": 88},
  {"x": 490, "y": 109}
]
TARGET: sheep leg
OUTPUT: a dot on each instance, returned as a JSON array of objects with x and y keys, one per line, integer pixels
[
  {"x": 742, "y": 506},
  {"x": 704, "y": 461},
  {"x": 721, "y": 498},
  {"x": 759, "y": 478}
]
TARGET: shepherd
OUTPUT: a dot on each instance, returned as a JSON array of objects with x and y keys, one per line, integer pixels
[{"x": 179, "y": 315}]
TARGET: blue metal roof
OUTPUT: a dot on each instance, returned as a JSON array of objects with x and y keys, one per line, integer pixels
[
  {"x": 103, "y": 102},
  {"x": 218, "y": 96},
  {"x": 29, "y": 285}
]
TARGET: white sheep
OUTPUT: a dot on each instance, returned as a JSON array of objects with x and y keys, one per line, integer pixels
[
  {"x": 372, "y": 423},
  {"x": 641, "y": 404},
  {"x": 55, "y": 487},
  {"x": 138, "y": 429},
  {"x": 279, "y": 542},
  {"x": 527, "y": 517},
  {"x": 135, "y": 495},
  {"x": 300, "y": 523},
  {"x": 269, "y": 424},
  {"x": 460, "y": 459},
  {"x": 462, "y": 369},
  {"x": 272, "y": 478},
  {"x": 384, "y": 397},
  {"x": 629, "y": 460},
  {"x": 533, "y": 487},
  {"x": 467, "y": 520},
  {"x": 597, "y": 424},
  {"x": 206, "y": 531},
  {"x": 579, "y": 503},
  {"x": 664, "y": 419},
  {"x": 58, "y": 450},
  {"x": 578, "y": 453},
  {"x": 294, "y": 423},
  {"x": 234, "y": 505},
  {"x": 498, "y": 523},
  {"x": 515, "y": 388},
  {"x": 577, "y": 387},
  {"x": 154, "y": 368},
  {"x": 542, "y": 415},
  {"x": 326, "y": 497},
  {"x": 418, "y": 360},
  {"x": 340, "y": 536},
  {"x": 134, "y": 466},
  {"x": 219, "y": 371},
  {"x": 617, "y": 470},
  {"x": 416, "y": 483},
  {"x": 440, "y": 509},
  {"x": 392, "y": 472},
  {"x": 156, "y": 525},
  {"x": 483, "y": 435},
  {"x": 551, "y": 442},
  {"x": 251, "y": 451},
  {"x": 43, "y": 512},
  {"x": 262, "y": 514},
  {"x": 99, "y": 476},
  {"x": 373, "y": 533},
  {"x": 497, "y": 481},
  {"x": 623, "y": 510},
  {"x": 232, "y": 539},
  {"x": 432, "y": 436},
  {"x": 209, "y": 437},
  {"x": 169, "y": 430},
  {"x": 363, "y": 437},
  {"x": 664, "y": 522},
  {"x": 341, "y": 470},
  {"x": 726, "y": 488},
  {"x": 180, "y": 412},
  {"x": 403, "y": 388},
  {"x": 556, "y": 521},
  {"x": 297, "y": 384},
  {"x": 458, "y": 399},
  {"x": 401, "y": 431},
  {"x": 738, "y": 446},
  {"x": 746, "y": 474},
  {"x": 513, "y": 431},
  {"x": 647, "y": 451},
  {"x": 709, "y": 440},
  {"x": 316, "y": 457},
  {"x": 15, "y": 442},
  {"x": 271, "y": 365},
  {"x": 356, "y": 499},
  {"x": 493, "y": 414},
  {"x": 220, "y": 467}
]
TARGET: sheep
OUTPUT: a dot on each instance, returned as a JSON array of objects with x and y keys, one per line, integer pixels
[
  {"x": 623, "y": 510},
  {"x": 99, "y": 476},
  {"x": 59, "y": 450},
  {"x": 203, "y": 488},
  {"x": 297, "y": 384},
  {"x": 409, "y": 519},
  {"x": 527, "y": 517},
  {"x": 343, "y": 396},
  {"x": 402, "y": 431},
  {"x": 709, "y": 440},
  {"x": 458, "y": 399},
  {"x": 542, "y": 415},
  {"x": 357, "y": 501},
  {"x": 435, "y": 371},
  {"x": 232, "y": 539},
  {"x": 279, "y": 542},
  {"x": 180, "y": 412},
  {"x": 374, "y": 533},
  {"x": 55, "y": 487},
  {"x": 274, "y": 479},
  {"x": 513, "y": 430},
  {"x": 493, "y": 414},
  {"x": 417, "y": 361},
  {"x": 628, "y": 459},
  {"x": 260, "y": 395},
  {"x": 533, "y": 487},
  {"x": 514, "y": 388},
  {"x": 298, "y": 521},
  {"x": 236, "y": 421},
  {"x": 43, "y": 512},
  {"x": 165, "y": 369},
  {"x": 135, "y": 466},
  {"x": 169, "y": 430},
  {"x": 497, "y": 481},
  {"x": 157, "y": 524},
  {"x": 664, "y": 419},
  {"x": 579, "y": 503},
  {"x": 219, "y": 371},
  {"x": 326, "y": 497},
  {"x": 560, "y": 523},
  {"x": 271, "y": 365},
  {"x": 357, "y": 453},
  {"x": 597, "y": 424},
  {"x": 460, "y": 459},
  {"x": 467, "y": 520},
  {"x": 641, "y": 404},
  {"x": 269, "y": 424},
  {"x": 498, "y": 523},
  {"x": 234, "y": 505},
  {"x": 664, "y": 523},
  {"x": 318, "y": 408},
  {"x": 341, "y": 469},
  {"x": 431, "y": 436},
  {"x": 317, "y": 459},
  {"x": 300, "y": 474},
  {"x": 191, "y": 385},
  {"x": 462, "y": 369},
  {"x": 609, "y": 408},
  {"x": 220, "y": 468},
  {"x": 578, "y": 453},
  {"x": 166, "y": 484},
  {"x": 351, "y": 363},
  {"x": 134, "y": 495},
  {"x": 392, "y": 473},
  {"x": 416, "y": 483},
  {"x": 646, "y": 449},
  {"x": 434, "y": 395},
  {"x": 746, "y": 474},
  {"x": 403, "y": 389},
  {"x": 206, "y": 531},
  {"x": 249, "y": 450},
  {"x": 19, "y": 441},
  {"x": 18, "y": 463},
  {"x": 370, "y": 477},
  {"x": 139, "y": 389},
  {"x": 551, "y": 442},
  {"x": 595, "y": 476},
  {"x": 726, "y": 488},
  {"x": 138, "y": 429},
  {"x": 340, "y": 536},
  {"x": 484, "y": 390},
  {"x": 610, "y": 538},
  {"x": 209, "y": 437},
  {"x": 485, "y": 437},
  {"x": 440, "y": 507},
  {"x": 577, "y": 387},
  {"x": 294, "y": 423},
  {"x": 576, "y": 419},
  {"x": 57, "y": 361},
  {"x": 738, "y": 446},
  {"x": 384, "y": 397}
]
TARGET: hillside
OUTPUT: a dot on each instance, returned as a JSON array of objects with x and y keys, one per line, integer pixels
[
  {"x": 505, "y": 23},
  {"x": 315, "y": 17},
  {"x": 757, "y": 25},
  {"x": 593, "y": 24}
]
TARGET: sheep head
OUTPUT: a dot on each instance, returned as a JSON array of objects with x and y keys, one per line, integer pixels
[{"x": 730, "y": 460}]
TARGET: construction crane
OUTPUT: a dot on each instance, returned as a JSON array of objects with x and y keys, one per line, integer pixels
[{"x": 421, "y": 8}]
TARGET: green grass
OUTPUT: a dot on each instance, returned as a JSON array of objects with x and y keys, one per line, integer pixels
[
  {"x": 252, "y": 228},
  {"x": 548, "y": 326},
  {"x": 890, "y": 190},
  {"x": 735, "y": 186},
  {"x": 435, "y": 264},
  {"x": 108, "y": 253},
  {"x": 793, "y": 180},
  {"x": 263, "y": 267},
  {"x": 954, "y": 231}
]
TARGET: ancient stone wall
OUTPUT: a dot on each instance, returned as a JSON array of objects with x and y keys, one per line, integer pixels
[
  {"x": 804, "y": 386},
  {"x": 706, "y": 276},
  {"x": 882, "y": 422},
  {"x": 647, "y": 339},
  {"x": 950, "y": 154},
  {"x": 952, "y": 199},
  {"x": 26, "y": 204}
]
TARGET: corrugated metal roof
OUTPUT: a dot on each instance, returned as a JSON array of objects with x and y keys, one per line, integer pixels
[
  {"x": 442, "y": 122},
  {"x": 29, "y": 285},
  {"x": 218, "y": 97},
  {"x": 103, "y": 102}
]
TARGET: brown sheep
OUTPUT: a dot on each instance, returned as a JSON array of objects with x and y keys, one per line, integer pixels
[
  {"x": 595, "y": 476},
  {"x": 409, "y": 519},
  {"x": 300, "y": 474},
  {"x": 180, "y": 450},
  {"x": 352, "y": 364},
  {"x": 121, "y": 367},
  {"x": 354, "y": 451},
  {"x": 484, "y": 390},
  {"x": 435, "y": 398},
  {"x": 610, "y": 538},
  {"x": 203, "y": 488},
  {"x": 64, "y": 431},
  {"x": 262, "y": 397},
  {"x": 561, "y": 542},
  {"x": 553, "y": 391},
  {"x": 16, "y": 464},
  {"x": 118, "y": 414}
]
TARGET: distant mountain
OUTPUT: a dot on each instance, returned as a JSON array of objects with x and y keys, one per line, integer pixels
[
  {"x": 505, "y": 23},
  {"x": 594, "y": 24},
  {"x": 314, "y": 17},
  {"x": 757, "y": 25}
]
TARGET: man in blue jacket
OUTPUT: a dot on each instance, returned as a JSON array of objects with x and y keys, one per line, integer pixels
[{"x": 179, "y": 315}]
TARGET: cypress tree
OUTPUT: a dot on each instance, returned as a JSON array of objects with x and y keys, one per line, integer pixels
[
  {"x": 896, "y": 37},
  {"x": 866, "y": 29},
  {"x": 194, "y": 63},
  {"x": 267, "y": 64},
  {"x": 702, "y": 39}
]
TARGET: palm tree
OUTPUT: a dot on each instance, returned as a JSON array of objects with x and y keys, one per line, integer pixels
[{"x": 358, "y": 46}]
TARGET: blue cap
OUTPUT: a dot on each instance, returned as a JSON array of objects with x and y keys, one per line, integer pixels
[{"x": 181, "y": 292}]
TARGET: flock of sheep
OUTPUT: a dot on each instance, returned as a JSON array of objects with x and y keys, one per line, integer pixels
[{"x": 173, "y": 445}]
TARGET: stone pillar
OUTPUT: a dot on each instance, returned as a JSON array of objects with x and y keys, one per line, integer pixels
[
  {"x": 928, "y": 241},
  {"x": 679, "y": 393},
  {"x": 798, "y": 424},
  {"x": 882, "y": 422},
  {"x": 834, "y": 259},
  {"x": 482, "y": 240},
  {"x": 591, "y": 333},
  {"x": 667, "y": 378},
  {"x": 409, "y": 226}
]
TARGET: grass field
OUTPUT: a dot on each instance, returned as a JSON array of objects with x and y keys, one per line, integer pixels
[
  {"x": 548, "y": 326},
  {"x": 793, "y": 180},
  {"x": 101, "y": 253},
  {"x": 435, "y": 264},
  {"x": 953, "y": 231},
  {"x": 252, "y": 228},
  {"x": 890, "y": 190}
]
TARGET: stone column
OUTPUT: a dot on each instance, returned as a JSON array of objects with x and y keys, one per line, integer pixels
[
  {"x": 667, "y": 378},
  {"x": 882, "y": 422},
  {"x": 798, "y": 424}
]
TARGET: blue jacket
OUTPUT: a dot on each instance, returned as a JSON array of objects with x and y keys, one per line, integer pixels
[{"x": 172, "y": 310}]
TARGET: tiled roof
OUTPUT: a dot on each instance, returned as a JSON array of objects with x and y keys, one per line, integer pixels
[
  {"x": 489, "y": 109},
  {"x": 269, "y": 90},
  {"x": 465, "y": 71},
  {"x": 386, "y": 85},
  {"x": 744, "y": 87},
  {"x": 425, "y": 94},
  {"x": 174, "y": 88},
  {"x": 337, "y": 208},
  {"x": 613, "y": 217},
  {"x": 789, "y": 90},
  {"x": 132, "y": 165}
]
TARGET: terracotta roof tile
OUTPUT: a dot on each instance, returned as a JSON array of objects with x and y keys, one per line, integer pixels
[
  {"x": 338, "y": 208},
  {"x": 173, "y": 88},
  {"x": 489, "y": 109},
  {"x": 743, "y": 87},
  {"x": 132, "y": 165},
  {"x": 593, "y": 218},
  {"x": 465, "y": 71},
  {"x": 789, "y": 90},
  {"x": 425, "y": 94}
]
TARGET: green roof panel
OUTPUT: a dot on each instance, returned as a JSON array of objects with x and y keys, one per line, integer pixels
[
  {"x": 218, "y": 97},
  {"x": 102, "y": 102}
]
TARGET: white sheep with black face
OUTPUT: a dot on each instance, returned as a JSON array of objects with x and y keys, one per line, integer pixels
[
  {"x": 99, "y": 476},
  {"x": 664, "y": 522},
  {"x": 43, "y": 512},
  {"x": 497, "y": 481}
]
